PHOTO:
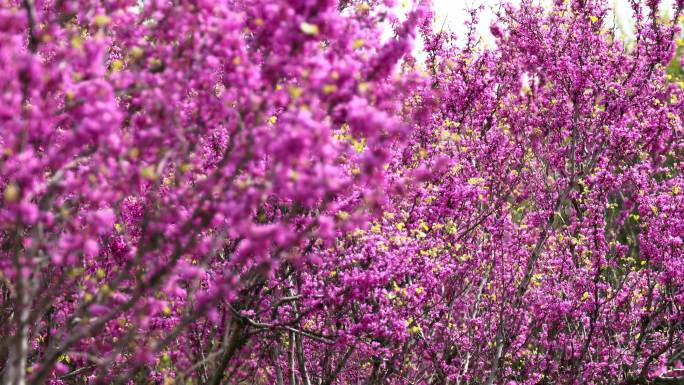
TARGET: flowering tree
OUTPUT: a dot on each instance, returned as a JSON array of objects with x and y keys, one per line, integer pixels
[{"x": 268, "y": 192}]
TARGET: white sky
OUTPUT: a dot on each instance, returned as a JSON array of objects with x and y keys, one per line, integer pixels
[{"x": 452, "y": 13}]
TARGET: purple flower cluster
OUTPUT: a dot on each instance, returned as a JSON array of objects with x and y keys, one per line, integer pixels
[{"x": 269, "y": 192}]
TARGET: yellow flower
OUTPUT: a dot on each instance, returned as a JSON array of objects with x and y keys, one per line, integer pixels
[
  {"x": 136, "y": 52},
  {"x": 148, "y": 173},
  {"x": 294, "y": 91},
  {"x": 102, "y": 20},
  {"x": 117, "y": 65},
  {"x": 11, "y": 193},
  {"x": 329, "y": 88},
  {"x": 308, "y": 29},
  {"x": 475, "y": 181}
]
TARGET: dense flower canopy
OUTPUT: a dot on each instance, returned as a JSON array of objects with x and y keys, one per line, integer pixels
[{"x": 277, "y": 192}]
